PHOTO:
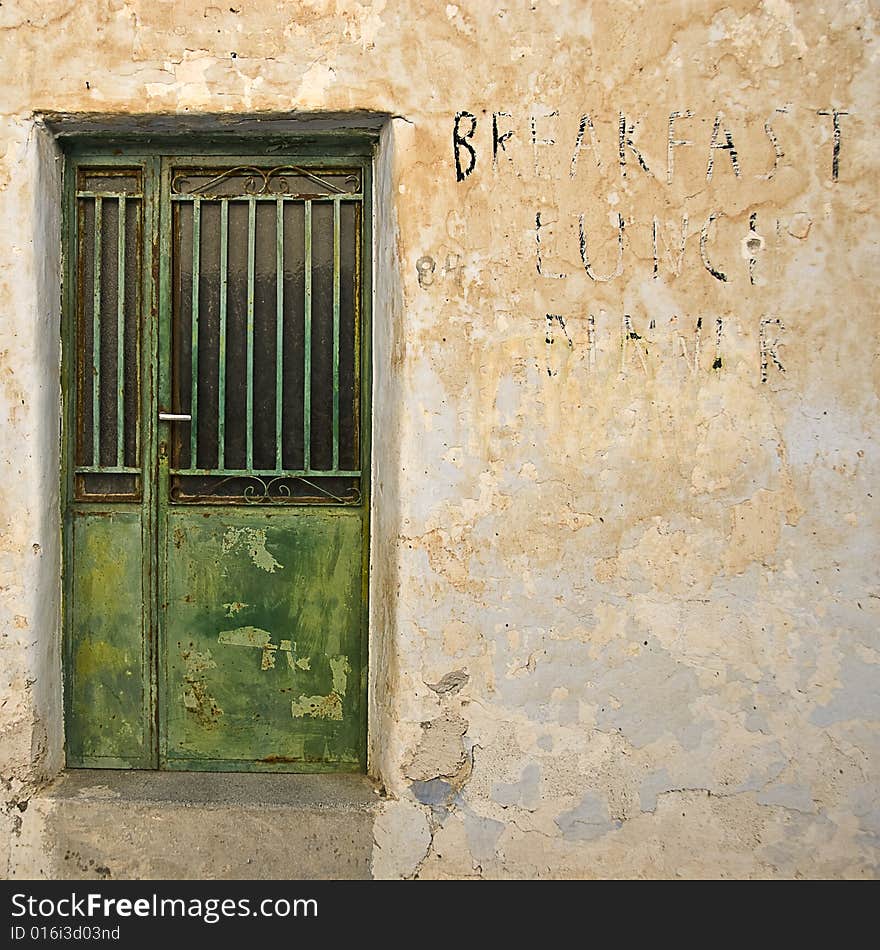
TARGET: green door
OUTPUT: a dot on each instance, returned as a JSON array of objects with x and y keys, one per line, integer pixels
[{"x": 217, "y": 460}]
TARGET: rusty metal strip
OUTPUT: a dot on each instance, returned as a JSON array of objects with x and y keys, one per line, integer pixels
[
  {"x": 336, "y": 275},
  {"x": 194, "y": 400},
  {"x": 249, "y": 382},
  {"x": 279, "y": 325},
  {"x": 96, "y": 337},
  {"x": 221, "y": 353},
  {"x": 307, "y": 343},
  {"x": 120, "y": 333}
]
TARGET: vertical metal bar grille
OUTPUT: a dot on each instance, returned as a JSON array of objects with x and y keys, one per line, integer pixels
[
  {"x": 249, "y": 339},
  {"x": 279, "y": 327},
  {"x": 194, "y": 355},
  {"x": 96, "y": 336},
  {"x": 336, "y": 291},
  {"x": 266, "y": 332},
  {"x": 221, "y": 349},
  {"x": 307, "y": 344},
  {"x": 108, "y": 252},
  {"x": 120, "y": 335}
]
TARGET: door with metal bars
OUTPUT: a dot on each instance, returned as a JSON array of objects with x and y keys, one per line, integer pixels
[{"x": 216, "y": 478}]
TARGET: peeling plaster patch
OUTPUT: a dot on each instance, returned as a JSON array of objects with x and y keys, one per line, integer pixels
[
  {"x": 187, "y": 78},
  {"x": 401, "y": 836},
  {"x": 858, "y": 696},
  {"x": 755, "y": 531},
  {"x": 233, "y": 608},
  {"x": 433, "y": 792},
  {"x": 756, "y": 722},
  {"x": 543, "y": 677},
  {"x": 253, "y": 540},
  {"x": 796, "y": 797},
  {"x": 818, "y": 829},
  {"x": 451, "y": 683},
  {"x": 482, "y": 834},
  {"x": 761, "y": 775},
  {"x": 799, "y": 226},
  {"x": 628, "y": 690},
  {"x": 315, "y": 82},
  {"x": 526, "y": 792},
  {"x": 588, "y": 821},
  {"x": 653, "y": 785},
  {"x": 866, "y": 806},
  {"x": 440, "y": 752}
]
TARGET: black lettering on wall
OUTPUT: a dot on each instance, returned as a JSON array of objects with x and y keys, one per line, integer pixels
[
  {"x": 538, "y": 261},
  {"x": 672, "y": 142},
  {"x": 460, "y": 142},
  {"x": 454, "y": 268},
  {"x": 768, "y": 341},
  {"x": 548, "y": 338},
  {"x": 704, "y": 238},
  {"x": 624, "y": 142},
  {"x": 586, "y": 123},
  {"x": 498, "y": 141},
  {"x": 630, "y": 339},
  {"x": 727, "y": 145},
  {"x": 692, "y": 359},
  {"x": 425, "y": 267},
  {"x": 835, "y": 152},
  {"x": 774, "y": 141},
  {"x": 676, "y": 262},
  {"x": 753, "y": 243},
  {"x": 585, "y": 257},
  {"x": 535, "y": 140},
  {"x": 591, "y": 342},
  {"x": 719, "y": 329}
]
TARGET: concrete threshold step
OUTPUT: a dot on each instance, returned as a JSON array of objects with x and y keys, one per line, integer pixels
[{"x": 94, "y": 824}]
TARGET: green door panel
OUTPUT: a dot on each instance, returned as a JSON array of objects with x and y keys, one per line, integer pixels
[
  {"x": 216, "y": 444},
  {"x": 262, "y": 640},
  {"x": 107, "y": 683}
]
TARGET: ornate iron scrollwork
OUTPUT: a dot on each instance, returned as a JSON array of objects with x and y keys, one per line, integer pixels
[
  {"x": 254, "y": 496},
  {"x": 259, "y": 490},
  {"x": 259, "y": 181}
]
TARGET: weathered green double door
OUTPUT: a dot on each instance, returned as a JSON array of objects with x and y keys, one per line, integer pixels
[{"x": 216, "y": 459}]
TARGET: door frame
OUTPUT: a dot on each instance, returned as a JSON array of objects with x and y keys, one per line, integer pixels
[{"x": 156, "y": 154}]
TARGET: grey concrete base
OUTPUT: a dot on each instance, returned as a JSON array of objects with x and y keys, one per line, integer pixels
[{"x": 187, "y": 825}]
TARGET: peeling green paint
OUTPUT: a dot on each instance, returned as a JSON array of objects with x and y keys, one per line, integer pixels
[
  {"x": 340, "y": 668},
  {"x": 155, "y": 675},
  {"x": 106, "y": 684},
  {"x": 255, "y": 637},
  {"x": 306, "y": 711},
  {"x": 248, "y": 637},
  {"x": 330, "y": 705},
  {"x": 196, "y": 697},
  {"x": 253, "y": 540}
]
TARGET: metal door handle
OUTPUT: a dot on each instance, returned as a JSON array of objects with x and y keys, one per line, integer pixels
[{"x": 174, "y": 417}]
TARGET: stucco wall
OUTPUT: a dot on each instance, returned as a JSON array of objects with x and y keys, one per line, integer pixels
[
  {"x": 625, "y": 606},
  {"x": 31, "y": 732}
]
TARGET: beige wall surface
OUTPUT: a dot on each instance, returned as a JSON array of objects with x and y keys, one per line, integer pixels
[{"x": 625, "y": 596}]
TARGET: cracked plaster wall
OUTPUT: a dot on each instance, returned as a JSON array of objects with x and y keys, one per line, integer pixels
[{"x": 625, "y": 598}]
